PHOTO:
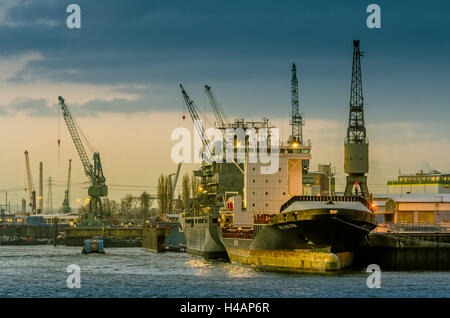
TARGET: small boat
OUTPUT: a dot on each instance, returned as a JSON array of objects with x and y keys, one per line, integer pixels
[{"x": 93, "y": 246}]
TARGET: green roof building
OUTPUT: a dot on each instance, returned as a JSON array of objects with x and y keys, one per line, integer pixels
[{"x": 433, "y": 182}]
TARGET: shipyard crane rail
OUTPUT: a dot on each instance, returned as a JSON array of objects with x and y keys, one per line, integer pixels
[
  {"x": 94, "y": 171},
  {"x": 218, "y": 111},
  {"x": 31, "y": 191}
]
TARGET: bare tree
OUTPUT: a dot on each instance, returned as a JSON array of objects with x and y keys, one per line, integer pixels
[
  {"x": 145, "y": 201},
  {"x": 164, "y": 191},
  {"x": 186, "y": 188},
  {"x": 126, "y": 205}
]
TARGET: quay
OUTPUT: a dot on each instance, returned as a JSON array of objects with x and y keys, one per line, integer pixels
[{"x": 405, "y": 251}]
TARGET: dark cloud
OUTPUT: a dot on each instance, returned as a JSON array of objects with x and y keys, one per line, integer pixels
[
  {"x": 245, "y": 47},
  {"x": 29, "y": 107}
]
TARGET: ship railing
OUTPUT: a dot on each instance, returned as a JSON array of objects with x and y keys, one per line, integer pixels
[
  {"x": 240, "y": 232},
  {"x": 262, "y": 218},
  {"x": 324, "y": 198}
]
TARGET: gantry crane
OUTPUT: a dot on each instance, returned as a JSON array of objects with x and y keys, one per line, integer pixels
[
  {"x": 296, "y": 116},
  {"x": 66, "y": 203},
  {"x": 356, "y": 145},
  {"x": 98, "y": 189},
  {"x": 221, "y": 120},
  {"x": 30, "y": 189}
]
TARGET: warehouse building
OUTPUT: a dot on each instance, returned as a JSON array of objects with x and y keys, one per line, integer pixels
[{"x": 418, "y": 209}]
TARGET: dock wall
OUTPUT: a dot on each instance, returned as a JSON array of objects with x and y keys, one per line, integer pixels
[
  {"x": 29, "y": 230},
  {"x": 76, "y": 236},
  {"x": 405, "y": 251}
]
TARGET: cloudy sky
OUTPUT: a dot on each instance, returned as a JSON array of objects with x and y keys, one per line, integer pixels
[{"x": 120, "y": 72}]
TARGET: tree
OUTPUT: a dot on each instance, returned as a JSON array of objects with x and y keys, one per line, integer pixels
[
  {"x": 186, "y": 188},
  {"x": 112, "y": 208},
  {"x": 145, "y": 201},
  {"x": 126, "y": 205},
  {"x": 164, "y": 191}
]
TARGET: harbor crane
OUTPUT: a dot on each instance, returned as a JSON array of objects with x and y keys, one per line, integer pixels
[
  {"x": 199, "y": 127},
  {"x": 96, "y": 215},
  {"x": 297, "y": 121},
  {"x": 66, "y": 203},
  {"x": 30, "y": 188},
  {"x": 356, "y": 144},
  {"x": 221, "y": 120},
  {"x": 297, "y": 118}
]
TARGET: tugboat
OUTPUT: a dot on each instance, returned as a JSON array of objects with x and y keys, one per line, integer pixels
[{"x": 93, "y": 246}]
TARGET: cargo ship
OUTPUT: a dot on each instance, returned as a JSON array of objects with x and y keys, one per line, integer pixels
[
  {"x": 199, "y": 220},
  {"x": 311, "y": 233}
]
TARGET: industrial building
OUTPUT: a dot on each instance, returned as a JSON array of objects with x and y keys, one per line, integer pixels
[
  {"x": 433, "y": 182},
  {"x": 417, "y": 209}
]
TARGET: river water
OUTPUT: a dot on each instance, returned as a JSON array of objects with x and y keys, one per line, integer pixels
[{"x": 40, "y": 271}]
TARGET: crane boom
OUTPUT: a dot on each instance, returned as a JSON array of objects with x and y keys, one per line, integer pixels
[
  {"x": 197, "y": 122},
  {"x": 218, "y": 111},
  {"x": 31, "y": 191},
  {"x": 68, "y": 118}
]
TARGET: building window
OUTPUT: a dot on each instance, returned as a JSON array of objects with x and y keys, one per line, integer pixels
[
  {"x": 267, "y": 204},
  {"x": 267, "y": 193}
]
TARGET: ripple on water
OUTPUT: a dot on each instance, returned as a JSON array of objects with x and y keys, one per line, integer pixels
[{"x": 40, "y": 271}]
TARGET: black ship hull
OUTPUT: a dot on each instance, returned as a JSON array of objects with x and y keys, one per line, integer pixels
[{"x": 318, "y": 239}]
